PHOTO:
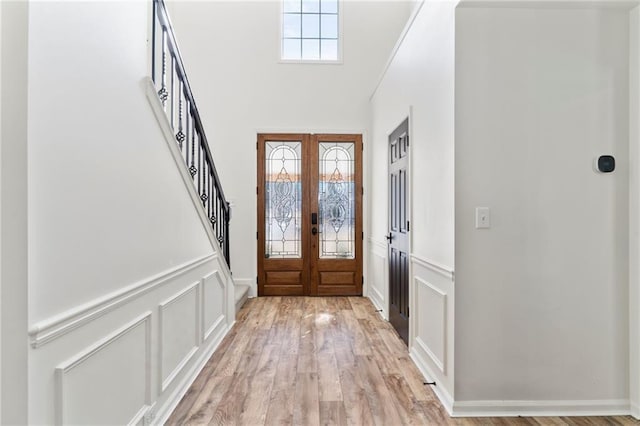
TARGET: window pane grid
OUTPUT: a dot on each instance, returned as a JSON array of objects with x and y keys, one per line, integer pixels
[{"x": 310, "y": 30}]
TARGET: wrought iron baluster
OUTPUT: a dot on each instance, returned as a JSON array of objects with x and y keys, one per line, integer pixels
[
  {"x": 175, "y": 88},
  {"x": 163, "y": 93}
]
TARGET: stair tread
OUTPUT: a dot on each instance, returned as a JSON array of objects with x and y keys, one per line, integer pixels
[{"x": 240, "y": 291}]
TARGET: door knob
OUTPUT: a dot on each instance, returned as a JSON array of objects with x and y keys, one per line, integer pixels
[
  {"x": 389, "y": 237},
  {"x": 314, "y": 230}
]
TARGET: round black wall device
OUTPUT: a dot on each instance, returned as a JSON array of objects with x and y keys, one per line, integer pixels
[{"x": 606, "y": 163}]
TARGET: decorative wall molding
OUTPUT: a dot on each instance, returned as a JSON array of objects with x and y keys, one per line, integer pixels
[
  {"x": 441, "y": 392},
  {"x": 379, "y": 244},
  {"x": 433, "y": 266},
  {"x": 615, "y": 407},
  {"x": 635, "y": 410},
  {"x": 170, "y": 403},
  {"x": 64, "y": 368},
  {"x": 164, "y": 382},
  {"x": 434, "y": 359},
  {"x": 165, "y": 127},
  {"x": 61, "y": 324},
  {"x": 439, "y": 361},
  {"x": 220, "y": 320}
]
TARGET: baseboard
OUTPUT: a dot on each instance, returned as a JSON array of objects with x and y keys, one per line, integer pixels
[
  {"x": 616, "y": 407},
  {"x": 635, "y": 410},
  {"x": 163, "y": 412},
  {"x": 442, "y": 393},
  {"x": 376, "y": 303}
]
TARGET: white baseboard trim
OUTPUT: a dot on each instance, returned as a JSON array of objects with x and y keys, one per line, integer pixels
[
  {"x": 377, "y": 303},
  {"x": 635, "y": 410},
  {"x": 443, "y": 395},
  {"x": 376, "y": 297},
  {"x": 616, "y": 407},
  {"x": 164, "y": 411},
  {"x": 433, "y": 266},
  {"x": 59, "y": 325}
]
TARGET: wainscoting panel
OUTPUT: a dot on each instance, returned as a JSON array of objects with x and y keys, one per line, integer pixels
[
  {"x": 431, "y": 324},
  {"x": 90, "y": 387},
  {"x": 179, "y": 332},
  {"x": 213, "y": 303},
  {"x": 377, "y": 279},
  {"x": 431, "y": 333}
]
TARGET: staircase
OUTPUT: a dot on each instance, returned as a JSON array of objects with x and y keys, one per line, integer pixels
[{"x": 172, "y": 88}]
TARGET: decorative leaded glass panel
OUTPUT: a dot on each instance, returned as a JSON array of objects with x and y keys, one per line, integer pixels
[
  {"x": 283, "y": 200},
  {"x": 336, "y": 200}
]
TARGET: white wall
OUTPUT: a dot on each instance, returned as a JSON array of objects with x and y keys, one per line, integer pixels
[
  {"x": 541, "y": 297},
  {"x": 127, "y": 295},
  {"x": 634, "y": 211},
  {"x": 420, "y": 79},
  {"x": 231, "y": 51},
  {"x": 13, "y": 214}
]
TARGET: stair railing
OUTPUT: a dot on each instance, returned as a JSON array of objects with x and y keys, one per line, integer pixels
[{"x": 174, "y": 91}]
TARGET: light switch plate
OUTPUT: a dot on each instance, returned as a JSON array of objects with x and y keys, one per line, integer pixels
[{"x": 483, "y": 217}]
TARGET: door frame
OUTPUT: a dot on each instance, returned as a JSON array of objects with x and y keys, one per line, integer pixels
[
  {"x": 360, "y": 202},
  {"x": 412, "y": 296}
]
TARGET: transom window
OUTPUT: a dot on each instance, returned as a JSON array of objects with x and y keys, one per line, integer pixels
[{"x": 310, "y": 30}]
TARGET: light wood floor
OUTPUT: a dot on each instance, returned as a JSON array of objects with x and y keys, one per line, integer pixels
[{"x": 310, "y": 361}]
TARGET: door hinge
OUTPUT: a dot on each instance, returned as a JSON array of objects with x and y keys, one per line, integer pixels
[
  {"x": 256, "y": 190},
  {"x": 362, "y": 235},
  {"x": 256, "y": 144},
  {"x": 256, "y": 279},
  {"x": 362, "y": 190},
  {"x": 407, "y": 140},
  {"x": 408, "y": 225},
  {"x": 362, "y": 281},
  {"x": 256, "y": 235}
]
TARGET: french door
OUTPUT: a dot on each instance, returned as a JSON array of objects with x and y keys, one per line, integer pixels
[{"x": 309, "y": 214}]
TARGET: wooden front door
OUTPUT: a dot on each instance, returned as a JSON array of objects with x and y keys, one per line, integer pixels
[
  {"x": 398, "y": 237},
  {"x": 309, "y": 214}
]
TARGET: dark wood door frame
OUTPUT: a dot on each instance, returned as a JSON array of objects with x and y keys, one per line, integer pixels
[{"x": 310, "y": 275}]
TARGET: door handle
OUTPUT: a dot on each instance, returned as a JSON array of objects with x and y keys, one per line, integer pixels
[
  {"x": 314, "y": 230},
  {"x": 389, "y": 237}
]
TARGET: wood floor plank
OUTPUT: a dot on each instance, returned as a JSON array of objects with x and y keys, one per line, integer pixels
[
  {"x": 330, "y": 361},
  {"x": 333, "y": 413},
  {"x": 329, "y": 378},
  {"x": 380, "y": 400},
  {"x": 306, "y": 407},
  {"x": 256, "y": 405}
]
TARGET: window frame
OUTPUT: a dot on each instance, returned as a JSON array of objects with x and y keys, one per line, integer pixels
[{"x": 338, "y": 61}]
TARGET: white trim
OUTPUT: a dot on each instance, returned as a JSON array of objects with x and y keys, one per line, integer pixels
[
  {"x": 165, "y": 382},
  {"x": 613, "y": 407},
  {"x": 440, "y": 363},
  {"x": 445, "y": 398},
  {"x": 378, "y": 244},
  {"x": 165, "y": 127},
  {"x": 84, "y": 355},
  {"x": 61, "y": 324},
  {"x": 634, "y": 410},
  {"x": 207, "y": 331},
  {"x": 433, "y": 266},
  {"x": 550, "y": 4},
  {"x": 163, "y": 412},
  {"x": 394, "y": 51}
]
